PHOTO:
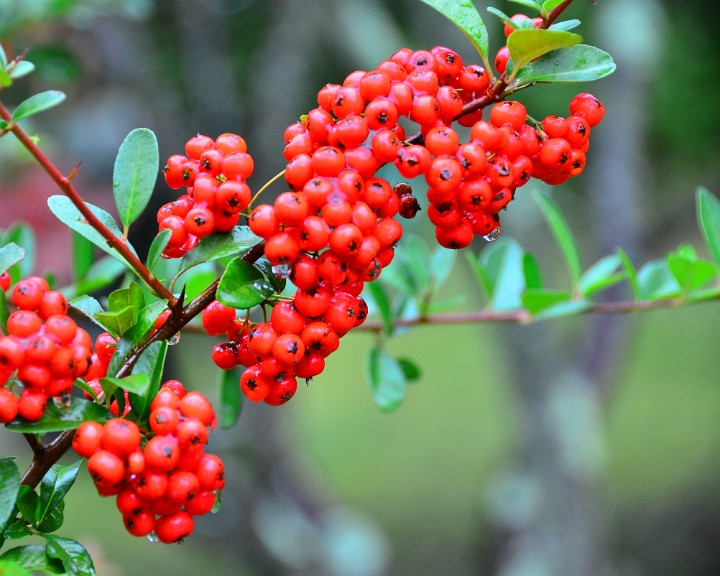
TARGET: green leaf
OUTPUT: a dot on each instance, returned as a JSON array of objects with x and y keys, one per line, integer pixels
[
  {"x": 8, "y": 567},
  {"x": 656, "y": 281},
  {"x": 135, "y": 172},
  {"x": 83, "y": 256},
  {"x": 10, "y": 254},
  {"x": 465, "y": 16},
  {"x": 37, "y": 103},
  {"x": 708, "y": 216},
  {"x": 9, "y": 487},
  {"x": 479, "y": 273},
  {"x": 33, "y": 558},
  {"x": 549, "y": 5},
  {"x": 86, "y": 305},
  {"x": 53, "y": 520},
  {"x": 531, "y": 271},
  {"x": 630, "y": 272},
  {"x": 563, "y": 309},
  {"x": 231, "y": 399},
  {"x": 5, "y": 79},
  {"x": 23, "y": 235},
  {"x": 243, "y": 286},
  {"x": 123, "y": 297},
  {"x": 238, "y": 241},
  {"x": 502, "y": 264},
  {"x": 117, "y": 322},
  {"x": 75, "y": 559},
  {"x": 566, "y": 24},
  {"x": 386, "y": 378},
  {"x": 563, "y": 236},
  {"x": 691, "y": 273},
  {"x": 277, "y": 283},
  {"x": 102, "y": 273},
  {"x": 28, "y": 504},
  {"x": 529, "y": 3},
  {"x": 159, "y": 244},
  {"x": 409, "y": 367},
  {"x": 20, "y": 69},
  {"x": 601, "y": 275},
  {"x": 4, "y": 311},
  {"x": 530, "y": 43},
  {"x": 441, "y": 264},
  {"x": 152, "y": 363},
  {"x": 417, "y": 258},
  {"x": 57, "y": 419},
  {"x": 380, "y": 297},
  {"x": 137, "y": 383},
  {"x": 55, "y": 485},
  {"x": 539, "y": 299},
  {"x": 68, "y": 214},
  {"x": 580, "y": 63}
]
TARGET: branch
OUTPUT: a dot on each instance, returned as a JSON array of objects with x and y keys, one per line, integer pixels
[{"x": 65, "y": 185}]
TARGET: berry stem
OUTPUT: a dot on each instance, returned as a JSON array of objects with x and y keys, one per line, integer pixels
[
  {"x": 266, "y": 186},
  {"x": 555, "y": 13},
  {"x": 65, "y": 185}
]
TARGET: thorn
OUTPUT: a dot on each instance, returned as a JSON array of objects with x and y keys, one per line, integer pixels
[{"x": 73, "y": 172}]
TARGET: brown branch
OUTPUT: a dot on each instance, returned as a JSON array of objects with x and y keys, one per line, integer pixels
[{"x": 65, "y": 185}]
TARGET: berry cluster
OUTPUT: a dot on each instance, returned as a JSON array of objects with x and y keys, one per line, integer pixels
[
  {"x": 44, "y": 349},
  {"x": 214, "y": 173},
  {"x": 161, "y": 478}
]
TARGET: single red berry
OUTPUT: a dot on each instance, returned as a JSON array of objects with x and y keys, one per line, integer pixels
[
  {"x": 174, "y": 527},
  {"x": 106, "y": 468},
  {"x": 5, "y": 281},
  {"x": 217, "y": 317},
  {"x": 8, "y": 406},
  {"x": 195, "y": 405},
  {"x": 162, "y": 453}
]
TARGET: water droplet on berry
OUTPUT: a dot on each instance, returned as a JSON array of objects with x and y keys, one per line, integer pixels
[
  {"x": 152, "y": 537},
  {"x": 494, "y": 235},
  {"x": 282, "y": 270},
  {"x": 174, "y": 339}
]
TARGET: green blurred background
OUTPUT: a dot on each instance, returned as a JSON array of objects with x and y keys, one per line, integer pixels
[{"x": 582, "y": 446}]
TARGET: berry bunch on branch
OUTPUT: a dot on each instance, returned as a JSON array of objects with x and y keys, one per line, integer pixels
[{"x": 423, "y": 134}]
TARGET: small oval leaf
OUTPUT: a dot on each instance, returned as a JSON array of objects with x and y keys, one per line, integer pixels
[
  {"x": 243, "y": 286},
  {"x": 37, "y": 103},
  {"x": 579, "y": 63},
  {"x": 135, "y": 172}
]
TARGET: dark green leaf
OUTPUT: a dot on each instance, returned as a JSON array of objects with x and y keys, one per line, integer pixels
[
  {"x": 134, "y": 175},
  {"x": 82, "y": 385},
  {"x": 465, "y": 16},
  {"x": 57, "y": 419},
  {"x": 238, "y": 241},
  {"x": 410, "y": 369},
  {"x": 386, "y": 378},
  {"x": 10, "y": 254},
  {"x": 68, "y": 214},
  {"x": 136, "y": 335},
  {"x": 28, "y": 504},
  {"x": 55, "y": 485},
  {"x": 86, "y": 305},
  {"x": 123, "y": 297},
  {"x": 37, "y": 103},
  {"x": 83, "y": 256},
  {"x": 118, "y": 322},
  {"x": 159, "y": 244},
  {"x": 580, "y": 63},
  {"x": 708, "y": 216},
  {"x": 601, "y": 275},
  {"x": 9, "y": 567},
  {"x": 33, "y": 558},
  {"x": 277, "y": 283},
  {"x": 17, "y": 530},
  {"x": 152, "y": 363},
  {"x": 656, "y": 282},
  {"x": 243, "y": 286},
  {"x": 231, "y": 399},
  {"x": 9, "y": 487},
  {"x": 75, "y": 559},
  {"x": 530, "y": 43},
  {"x": 382, "y": 302},
  {"x": 53, "y": 520},
  {"x": 563, "y": 236}
]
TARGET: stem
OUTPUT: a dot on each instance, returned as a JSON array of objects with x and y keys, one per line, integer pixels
[
  {"x": 69, "y": 190},
  {"x": 555, "y": 13},
  {"x": 266, "y": 186}
]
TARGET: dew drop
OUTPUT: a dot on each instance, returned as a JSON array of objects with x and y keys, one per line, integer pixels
[
  {"x": 494, "y": 235},
  {"x": 174, "y": 339},
  {"x": 282, "y": 270},
  {"x": 152, "y": 537}
]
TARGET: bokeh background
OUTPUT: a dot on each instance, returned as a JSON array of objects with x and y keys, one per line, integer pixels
[{"x": 585, "y": 446}]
